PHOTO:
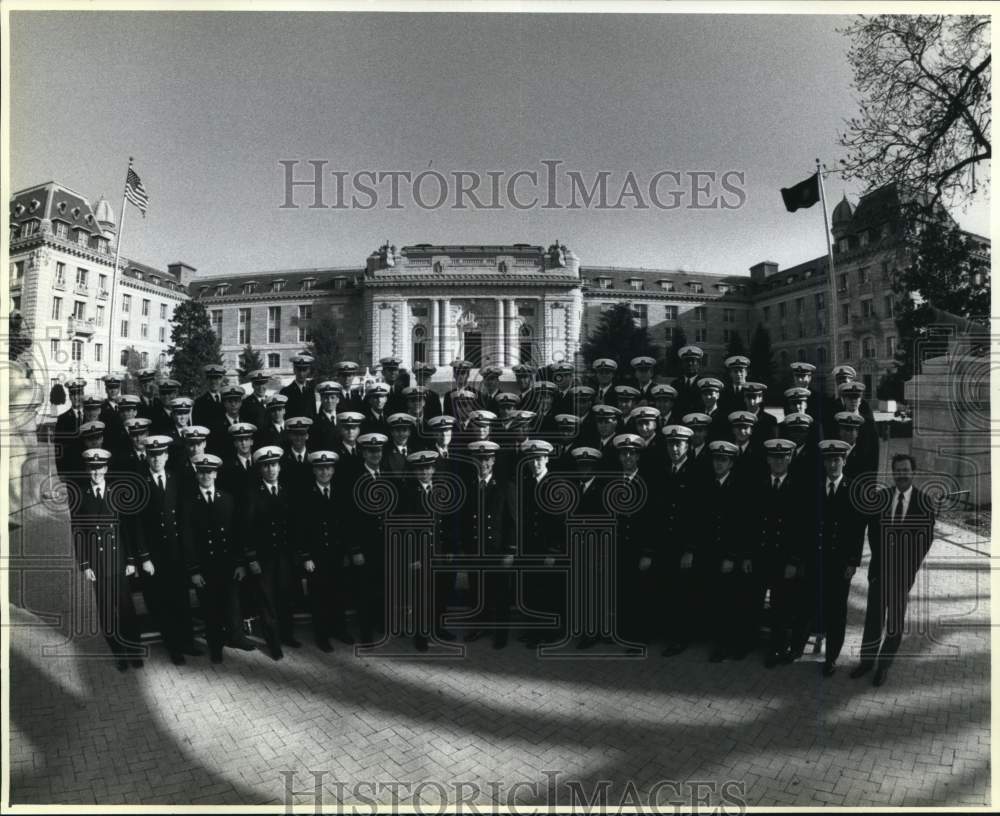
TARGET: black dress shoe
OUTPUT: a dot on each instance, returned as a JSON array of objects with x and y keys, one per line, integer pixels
[
  {"x": 276, "y": 653},
  {"x": 216, "y": 656},
  {"x": 861, "y": 670},
  {"x": 136, "y": 662},
  {"x": 829, "y": 669},
  {"x": 881, "y": 675},
  {"x": 193, "y": 649},
  {"x": 291, "y": 642},
  {"x": 121, "y": 665},
  {"x": 243, "y": 644},
  {"x": 177, "y": 659},
  {"x": 324, "y": 645}
]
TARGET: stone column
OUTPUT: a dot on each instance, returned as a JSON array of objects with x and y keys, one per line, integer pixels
[
  {"x": 500, "y": 334},
  {"x": 447, "y": 330},
  {"x": 432, "y": 341},
  {"x": 513, "y": 339}
]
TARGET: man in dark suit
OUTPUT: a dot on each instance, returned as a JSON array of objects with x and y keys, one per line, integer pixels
[
  {"x": 105, "y": 562},
  {"x": 688, "y": 392},
  {"x": 486, "y": 532},
  {"x": 160, "y": 557},
  {"x": 749, "y": 463},
  {"x": 109, "y": 407},
  {"x": 325, "y": 433},
  {"x": 398, "y": 448},
  {"x": 218, "y": 437},
  {"x": 68, "y": 424},
  {"x": 375, "y": 410},
  {"x": 368, "y": 514},
  {"x": 214, "y": 558},
  {"x": 780, "y": 530},
  {"x": 208, "y": 408},
  {"x": 711, "y": 389},
  {"x": 605, "y": 370},
  {"x": 562, "y": 376},
  {"x": 321, "y": 538},
  {"x": 731, "y": 399},
  {"x": 268, "y": 548},
  {"x": 296, "y": 472},
  {"x": 300, "y": 392},
  {"x": 253, "y": 409},
  {"x": 838, "y": 538},
  {"x": 900, "y": 535}
]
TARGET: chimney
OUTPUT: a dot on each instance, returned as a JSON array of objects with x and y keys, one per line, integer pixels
[
  {"x": 182, "y": 272},
  {"x": 758, "y": 272}
]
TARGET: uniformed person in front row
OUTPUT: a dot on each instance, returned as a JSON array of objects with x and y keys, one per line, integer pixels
[
  {"x": 214, "y": 558},
  {"x": 724, "y": 544},
  {"x": 781, "y": 503},
  {"x": 319, "y": 526},
  {"x": 487, "y": 532},
  {"x": 160, "y": 555},
  {"x": 837, "y": 538},
  {"x": 101, "y": 554},
  {"x": 589, "y": 487},
  {"x": 634, "y": 539},
  {"x": 268, "y": 548}
]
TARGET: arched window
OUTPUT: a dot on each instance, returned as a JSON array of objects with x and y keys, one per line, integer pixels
[
  {"x": 419, "y": 344},
  {"x": 123, "y": 360},
  {"x": 868, "y": 348},
  {"x": 527, "y": 347}
]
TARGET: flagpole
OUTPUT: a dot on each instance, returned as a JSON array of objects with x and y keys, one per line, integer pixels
[
  {"x": 833, "y": 277},
  {"x": 114, "y": 275}
]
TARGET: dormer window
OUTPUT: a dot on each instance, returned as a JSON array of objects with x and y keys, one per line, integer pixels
[
  {"x": 635, "y": 284},
  {"x": 339, "y": 283},
  {"x": 249, "y": 288},
  {"x": 61, "y": 230},
  {"x": 222, "y": 289},
  {"x": 667, "y": 286},
  {"x": 277, "y": 286},
  {"x": 723, "y": 288},
  {"x": 863, "y": 238},
  {"x": 696, "y": 287},
  {"x": 308, "y": 283},
  {"x": 604, "y": 283},
  {"x": 154, "y": 280},
  {"x": 81, "y": 237}
]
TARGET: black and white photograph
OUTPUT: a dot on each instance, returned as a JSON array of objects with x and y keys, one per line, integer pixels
[{"x": 496, "y": 407}]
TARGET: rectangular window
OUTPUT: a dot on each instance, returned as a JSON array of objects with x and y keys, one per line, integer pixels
[
  {"x": 273, "y": 325},
  {"x": 145, "y": 307},
  {"x": 273, "y": 360},
  {"x": 667, "y": 286},
  {"x": 61, "y": 230},
  {"x": 124, "y": 331},
  {"x": 338, "y": 283},
  {"x": 77, "y": 350},
  {"x": 866, "y": 308},
  {"x": 888, "y": 305},
  {"x": 845, "y": 314},
  {"x": 243, "y": 326},
  {"x": 820, "y": 300},
  {"x": 54, "y": 348},
  {"x": 669, "y": 312},
  {"x": 60, "y": 273},
  {"x": 305, "y": 317},
  {"x": 727, "y": 335},
  {"x": 701, "y": 335},
  {"x": 842, "y": 282},
  {"x": 700, "y": 314},
  {"x": 81, "y": 276},
  {"x": 525, "y": 311},
  {"x": 767, "y": 314},
  {"x": 144, "y": 359},
  {"x": 277, "y": 286},
  {"x": 144, "y": 331},
  {"x": 216, "y": 318},
  {"x": 782, "y": 309},
  {"x": 868, "y": 348},
  {"x": 636, "y": 285},
  {"x": 18, "y": 271},
  {"x": 890, "y": 347},
  {"x": 126, "y": 303},
  {"x": 163, "y": 311},
  {"x": 82, "y": 237},
  {"x": 800, "y": 305},
  {"x": 56, "y": 308},
  {"x": 885, "y": 270},
  {"x": 163, "y": 334},
  {"x": 863, "y": 275},
  {"x": 728, "y": 315},
  {"x": 79, "y": 309},
  {"x": 98, "y": 352},
  {"x": 668, "y": 333},
  {"x": 697, "y": 288},
  {"x": 100, "y": 316},
  {"x": 308, "y": 284},
  {"x": 418, "y": 311},
  {"x": 102, "y": 283},
  {"x": 640, "y": 314},
  {"x": 847, "y": 350}
]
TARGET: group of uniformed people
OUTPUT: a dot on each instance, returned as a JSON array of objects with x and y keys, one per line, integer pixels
[{"x": 718, "y": 510}]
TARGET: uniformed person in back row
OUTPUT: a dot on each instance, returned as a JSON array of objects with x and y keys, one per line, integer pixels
[
  {"x": 711, "y": 391},
  {"x": 422, "y": 373},
  {"x": 626, "y": 398},
  {"x": 320, "y": 534},
  {"x": 375, "y": 410},
  {"x": 398, "y": 447},
  {"x": 268, "y": 548},
  {"x": 149, "y": 402},
  {"x": 116, "y": 437},
  {"x": 160, "y": 555},
  {"x": 802, "y": 377},
  {"x": 605, "y": 369},
  {"x": 214, "y": 558},
  {"x": 524, "y": 379},
  {"x": 731, "y": 399},
  {"x": 664, "y": 401},
  {"x": 766, "y": 426},
  {"x": 688, "y": 391},
  {"x": 568, "y": 429},
  {"x": 397, "y": 381},
  {"x": 607, "y": 424},
  {"x": 350, "y": 462},
  {"x": 238, "y": 472},
  {"x": 490, "y": 387},
  {"x": 862, "y": 461},
  {"x": 253, "y": 409},
  {"x": 416, "y": 405},
  {"x": 460, "y": 370},
  {"x": 133, "y": 459},
  {"x": 104, "y": 561},
  {"x": 562, "y": 378},
  {"x": 163, "y": 417},
  {"x": 300, "y": 393},
  {"x": 109, "y": 407},
  {"x": 67, "y": 433},
  {"x": 272, "y": 432},
  {"x": 507, "y": 402},
  {"x": 487, "y": 532},
  {"x": 218, "y": 438},
  {"x": 642, "y": 378},
  {"x": 325, "y": 433},
  {"x": 208, "y": 408},
  {"x": 345, "y": 373}
]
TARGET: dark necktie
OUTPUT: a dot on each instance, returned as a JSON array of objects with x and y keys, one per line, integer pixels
[
  {"x": 898, "y": 517},
  {"x": 402, "y": 451},
  {"x": 208, "y": 498},
  {"x": 160, "y": 484},
  {"x": 274, "y": 490},
  {"x": 775, "y": 484},
  {"x": 326, "y": 493},
  {"x": 830, "y": 489}
]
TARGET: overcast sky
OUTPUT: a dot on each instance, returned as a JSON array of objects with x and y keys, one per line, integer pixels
[{"x": 210, "y": 103}]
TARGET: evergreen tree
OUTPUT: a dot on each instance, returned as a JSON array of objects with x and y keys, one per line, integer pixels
[
  {"x": 618, "y": 338},
  {"x": 250, "y": 360},
  {"x": 672, "y": 365},
  {"x": 324, "y": 348},
  {"x": 762, "y": 368},
  {"x": 736, "y": 345},
  {"x": 193, "y": 345}
]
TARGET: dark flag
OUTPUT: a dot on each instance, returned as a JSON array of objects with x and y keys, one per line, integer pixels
[{"x": 802, "y": 195}]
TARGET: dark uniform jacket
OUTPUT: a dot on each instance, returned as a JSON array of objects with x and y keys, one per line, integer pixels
[
  {"x": 159, "y": 538},
  {"x": 206, "y": 411},
  {"x": 688, "y": 395},
  {"x": 369, "y": 513},
  {"x": 67, "y": 439},
  {"x": 236, "y": 479},
  {"x": 295, "y": 475},
  {"x": 541, "y": 532},
  {"x": 318, "y": 525},
  {"x": 487, "y": 521},
  {"x": 301, "y": 401},
  {"x": 96, "y": 535},
  {"x": 722, "y": 522},
  {"x": 268, "y": 522},
  {"x": 672, "y": 509},
  {"x": 210, "y": 541},
  {"x": 782, "y": 518},
  {"x": 252, "y": 410},
  {"x": 324, "y": 433},
  {"x": 838, "y": 528},
  {"x": 415, "y": 503}
]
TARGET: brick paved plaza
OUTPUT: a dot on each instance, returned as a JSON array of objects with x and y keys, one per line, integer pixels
[{"x": 223, "y": 734}]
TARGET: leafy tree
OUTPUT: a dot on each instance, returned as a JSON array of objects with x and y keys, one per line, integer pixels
[
  {"x": 924, "y": 86},
  {"x": 618, "y": 338},
  {"x": 672, "y": 365},
  {"x": 193, "y": 344},
  {"x": 736, "y": 345},
  {"x": 324, "y": 348},
  {"x": 944, "y": 290},
  {"x": 762, "y": 367},
  {"x": 250, "y": 360}
]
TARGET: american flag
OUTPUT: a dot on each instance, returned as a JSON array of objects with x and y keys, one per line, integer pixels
[{"x": 135, "y": 192}]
